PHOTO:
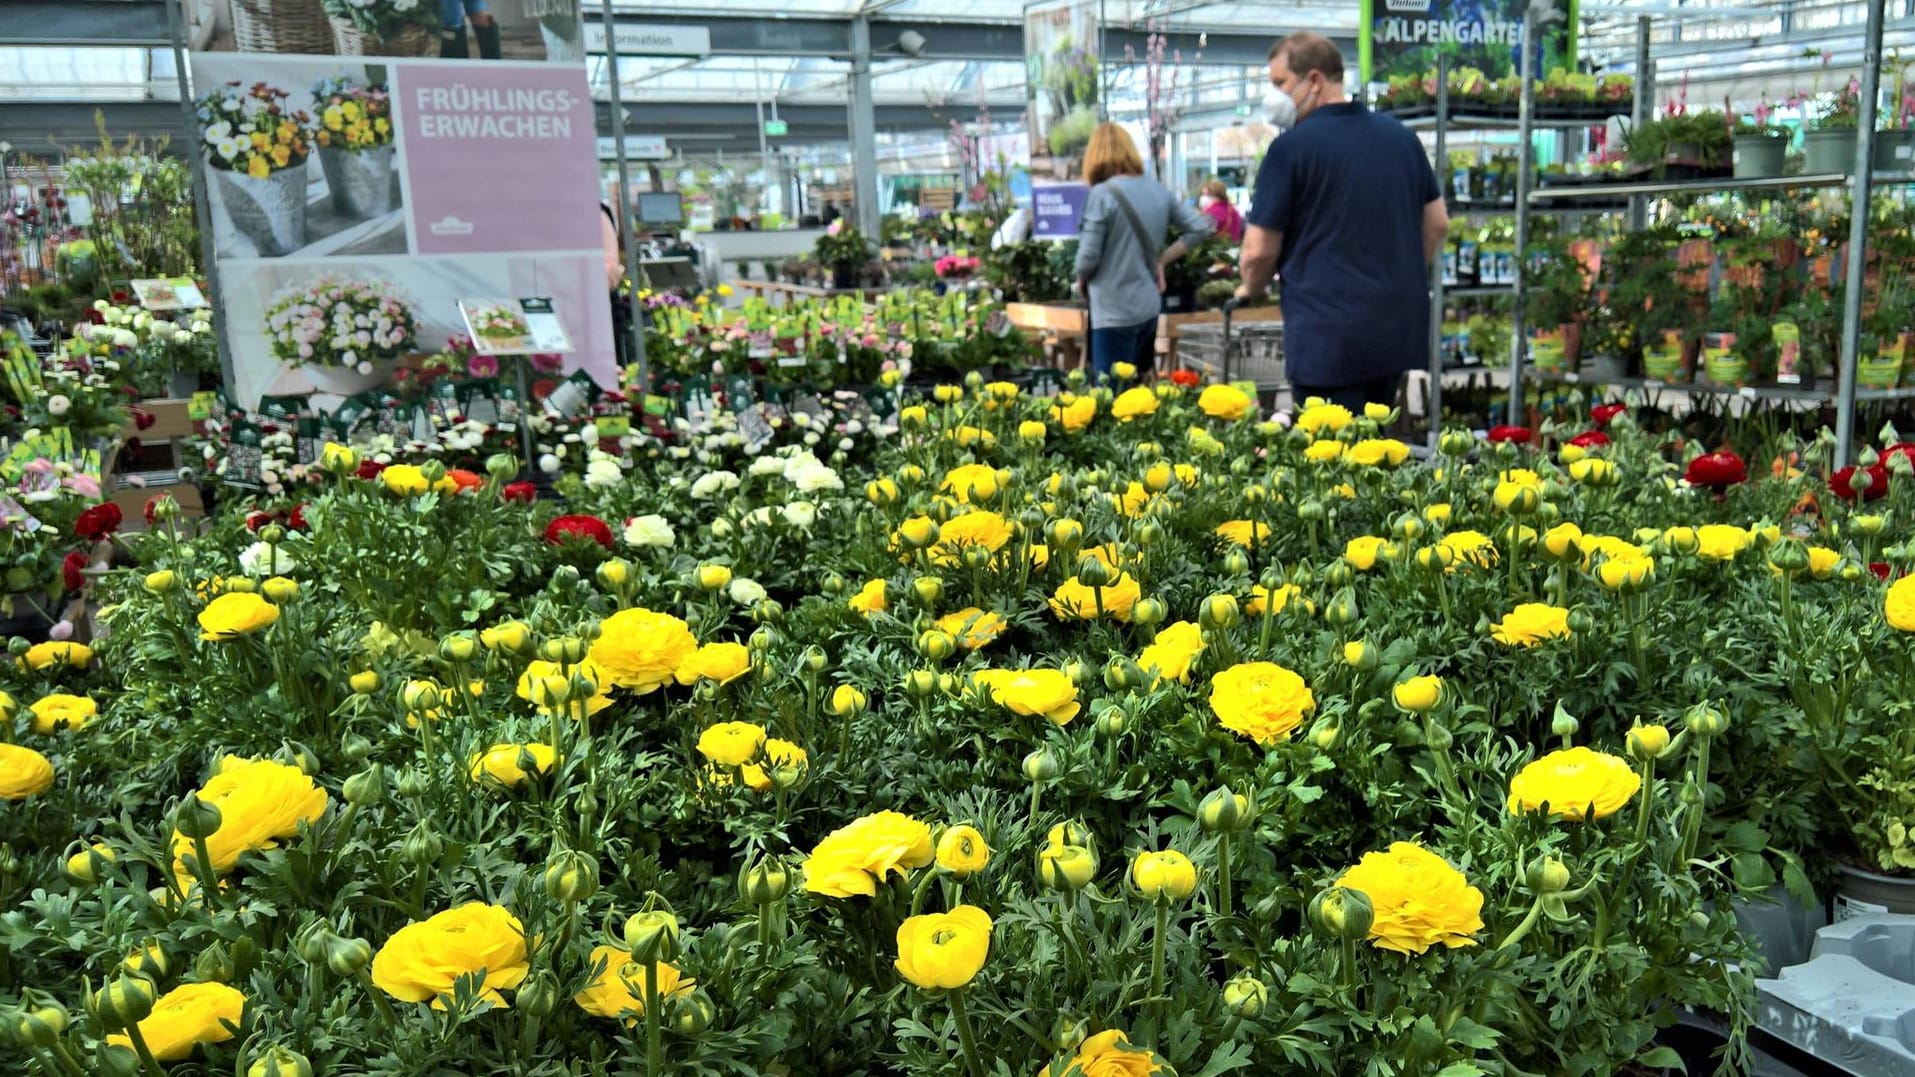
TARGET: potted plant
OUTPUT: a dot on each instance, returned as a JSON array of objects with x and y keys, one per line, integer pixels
[
  {"x": 1558, "y": 289},
  {"x": 383, "y": 27},
  {"x": 1761, "y": 148},
  {"x": 352, "y": 127},
  {"x": 256, "y": 147},
  {"x": 1882, "y": 357},
  {"x": 1684, "y": 145},
  {"x": 1829, "y": 148},
  {"x": 844, "y": 250},
  {"x": 1895, "y": 144},
  {"x": 345, "y": 333}
]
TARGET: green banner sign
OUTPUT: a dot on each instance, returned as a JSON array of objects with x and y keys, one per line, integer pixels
[{"x": 1405, "y": 37}]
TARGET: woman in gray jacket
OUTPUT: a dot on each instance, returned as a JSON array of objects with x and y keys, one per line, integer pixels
[{"x": 1119, "y": 264}]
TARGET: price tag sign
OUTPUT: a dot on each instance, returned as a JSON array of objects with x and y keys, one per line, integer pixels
[
  {"x": 614, "y": 426},
  {"x": 202, "y": 405}
]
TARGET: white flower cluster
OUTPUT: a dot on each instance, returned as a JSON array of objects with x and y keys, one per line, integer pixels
[{"x": 649, "y": 532}]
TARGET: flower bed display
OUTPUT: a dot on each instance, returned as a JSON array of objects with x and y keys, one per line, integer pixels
[
  {"x": 1115, "y": 732},
  {"x": 336, "y": 322}
]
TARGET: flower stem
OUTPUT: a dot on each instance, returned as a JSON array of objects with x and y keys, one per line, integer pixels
[
  {"x": 1157, "y": 949},
  {"x": 1223, "y": 875},
  {"x": 1037, "y": 788},
  {"x": 1522, "y": 929},
  {"x": 654, "y": 1047},
  {"x": 208, "y": 878},
  {"x": 147, "y": 1061},
  {"x": 967, "y": 1039}
]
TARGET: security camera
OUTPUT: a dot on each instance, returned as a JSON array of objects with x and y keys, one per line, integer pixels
[{"x": 911, "y": 43}]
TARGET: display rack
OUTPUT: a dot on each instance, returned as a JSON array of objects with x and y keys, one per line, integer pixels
[{"x": 1861, "y": 182}]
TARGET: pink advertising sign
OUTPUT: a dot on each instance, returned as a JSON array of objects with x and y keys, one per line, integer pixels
[{"x": 498, "y": 157}]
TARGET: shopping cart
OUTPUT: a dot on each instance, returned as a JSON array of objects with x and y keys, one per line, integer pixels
[{"x": 1235, "y": 352}]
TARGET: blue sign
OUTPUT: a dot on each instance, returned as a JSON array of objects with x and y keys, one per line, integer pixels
[{"x": 1057, "y": 210}]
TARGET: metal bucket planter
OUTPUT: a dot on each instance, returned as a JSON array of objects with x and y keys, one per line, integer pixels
[
  {"x": 1759, "y": 156},
  {"x": 360, "y": 182},
  {"x": 1860, "y": 892},
  {"x": 565, "y": 46},
  {"x": 345, "y": 380},
  {"x": 270, "y": 212},
  {"x": 1894, "y": 151},
  {"x": 1828, "y": 153}
]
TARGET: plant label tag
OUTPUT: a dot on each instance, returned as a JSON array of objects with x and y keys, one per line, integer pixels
[
  {"x": 200, "y": 408},
  {"x": 614, "y": 426},
  {"x": 1788, "y": 353}
]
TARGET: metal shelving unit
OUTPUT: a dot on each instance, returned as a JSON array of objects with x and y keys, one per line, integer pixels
[{"x": 1861, "y": 182}]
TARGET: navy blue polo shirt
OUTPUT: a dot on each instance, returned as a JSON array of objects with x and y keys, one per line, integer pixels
[{"x": 1347, "y": 188}]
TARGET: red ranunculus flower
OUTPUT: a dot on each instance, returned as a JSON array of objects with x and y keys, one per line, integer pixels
[
  {"x": 1717, "y": 470},
  {"x": 1590, "y": 439},
  {"x": 151, "y": 512},
  {"x": 370, "y": 469},
  {"x": 296, "y": 519},
  {"x": 467, "y": 480},
  {"x": 71, "y": 571},
  {"x": 1880, "y": 568},
  {"x": 523, "y": 492},
  {"x": 1602, "y": 413},
  {"x": 98, "y": 522},
  {"x": 257, "y": 520},
  {"x": 1186, "y": 378},
  {"x": 1515, "y": 435},
  {"x": 1900, "y": 448},
  {"x": 1842, "y": 483},
  {"x": 142, "y": 418},
  {"x": 590, "y": 527}
]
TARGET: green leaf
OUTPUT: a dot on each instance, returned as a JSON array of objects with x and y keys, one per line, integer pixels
[
  {"x": 1227, "y": 1057},
  {"x": 1461, "y": 1069},
  {"x": 1662, "y": 1058},
  {"x": 1470, "y": 1034}
]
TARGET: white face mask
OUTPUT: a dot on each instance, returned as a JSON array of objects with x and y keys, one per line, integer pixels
[{"x": 1279, "y": 108}]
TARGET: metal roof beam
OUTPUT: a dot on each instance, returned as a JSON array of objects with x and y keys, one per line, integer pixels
[{"x": 83, "y": 22}]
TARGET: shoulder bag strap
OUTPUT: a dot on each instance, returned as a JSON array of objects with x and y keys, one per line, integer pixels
[{"x": 1137, "y": 226}]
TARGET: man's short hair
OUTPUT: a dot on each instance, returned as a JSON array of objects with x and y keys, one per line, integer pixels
[{"x": 1304, "y": 52}]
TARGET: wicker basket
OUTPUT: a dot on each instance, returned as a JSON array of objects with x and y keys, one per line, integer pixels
[
  {"x": 412, "y": 41},
  {"x": 283, "y": 26}
]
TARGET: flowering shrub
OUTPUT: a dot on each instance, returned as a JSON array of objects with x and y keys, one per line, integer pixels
[
  {"x": 253, "y": 130},
  {"x": 337, "y": 322},
  {"x": 351, "y": 117}
]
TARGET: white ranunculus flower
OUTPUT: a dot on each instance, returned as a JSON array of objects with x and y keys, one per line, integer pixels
[
  {"x": 768, "y": 465},
  {"x": 746, "y": 592},
  {"x": 758, "y": 517},
  {"x": 713, "y": 482},
  {"x": 721, "y": 528},
  {"x": 603, "y": 472},
  {"x": 817, "y": 479},
  {"x": 58, "y": 405},
  {"x": 801, "y": 514},
  {"x": 649, "y": 532},
  {"x": 549, "y": 464},
  {"x": 260, "y": 559}
]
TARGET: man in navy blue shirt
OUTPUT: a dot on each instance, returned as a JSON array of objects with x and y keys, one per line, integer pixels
[{"x": 1348, "y": 212}]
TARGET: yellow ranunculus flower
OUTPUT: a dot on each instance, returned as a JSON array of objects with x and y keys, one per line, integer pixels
[
  {"x": 509, "y": 636},
  {"x": 856, "y": 857},
  {"x": 1075, "y": 413},
  {"x": 944, "y": 950},
  {"x": 537, "y": 675},
  {"x": 642, "y": 651},
  {"x": 23, "y": 772},
  {"x": 1564, "y": 541},
  {"x": 1576, "y": 783},
  {"x": 1135, "y": 403},
  {"x": 1322, "y": 452},
  {"x": 1377, "y": 413},
  {"x": 731, "y": 744},
  {"x": 1625, "y": 573},
  {"x": 1363, "y": 551},
  {"x": 1898, "y": 606},
  {"x": 1168, "y": 876},
  {"x": 1418, "y": 694},
  {"x": 1417, "y": 899},
  {"x": 968, "y": 480},
  {"x": 977, "y": 528},
  {"x": 962, "y": 852},
  {"x": 1822, "y": 562},
  {"x": 1722, "y": 542},
  {"x": 1225, "y": 402},
  {"x": 779, "y": 754},
  {"x": 406, "y": 480},
  {"x": 1245, "y": 533},
  {"x": 510, "y": 765},
  {"x": 1378, "y": 452},
  {"x": 1473, "y": 547},
  {"x": 722, "y": 663},
  {"x": 1032, "y": 431},
  {"x": 1260, "y": 700},
  {"x": 261, "y": 803},
  {"x": 1109, "y": 1054},
  {"x": 1263, "y": 600},
  {"x": 1173, "y": 652},
  {"x": 1324, "y": 419},
  {"x": 186, "y": 1017},
  {"x": 421, "y": 961},
  {"x": 236, "y": 614},
  {"x": 1437, "y": 513},
  {"x": 618, "y": 991},
  {"x": 58, "y": 653},
  {"x": 59, "y": 710},
  {"x": 973, "y": 627},
  {"x": 1594, "y": 470},
  {"x": 1530, "y": 624},
  {"x": 1075, "y": 600},
  {"x": 1048, "y": 693},
  {"x": 870, "y": 599}
]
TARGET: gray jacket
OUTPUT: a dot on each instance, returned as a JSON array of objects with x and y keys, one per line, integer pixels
[{"x": 1123, "y": 276}]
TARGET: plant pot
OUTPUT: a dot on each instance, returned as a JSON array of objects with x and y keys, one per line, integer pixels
[
  {"x": 1860, "y": 892},
  {"x": 1720, "y": 362},
  {"x": 1759, "y": 156},
  {"x": 1881, "y": 363},
  {"x": 361, "y": 183},
  {"x": 346, "y": 381},
  {"x": 1549, "y": 349},
  {"x": 181, "y": 384},
  {"x": 844, "y": 277},
  {"x": 1894, "y": 151},
  {"x": 413, "y": 40},
  {"x": 26, "y": 614},
  {"x": 270, "y": 212},
  {"x": 1666, "y": 362},
  {"x": 1828, "y": 153},
  {"x": 565, "y": 45},
  {"x": 1607, "y": 367}
]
